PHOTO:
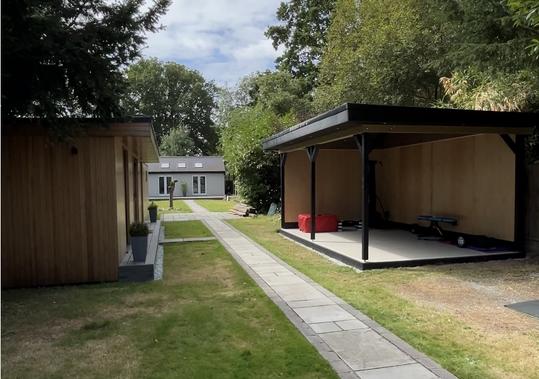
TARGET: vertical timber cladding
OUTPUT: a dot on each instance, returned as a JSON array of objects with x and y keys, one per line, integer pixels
[
  {"x": 338, "y": 184},
  {"x": 471, "y": 178},
  {"x": 58, "y": 201}
]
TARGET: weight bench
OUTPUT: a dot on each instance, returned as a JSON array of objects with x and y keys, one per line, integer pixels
[{"x": 434, "y": 227}]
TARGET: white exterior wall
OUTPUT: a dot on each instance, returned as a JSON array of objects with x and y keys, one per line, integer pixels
[{"x": 215, "y": 184}]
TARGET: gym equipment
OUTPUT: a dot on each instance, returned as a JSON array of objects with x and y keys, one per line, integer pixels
[{"x": 435, "y": 230}]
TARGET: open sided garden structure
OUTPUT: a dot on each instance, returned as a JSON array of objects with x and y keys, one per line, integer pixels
[{"x": 382, "y": 167}]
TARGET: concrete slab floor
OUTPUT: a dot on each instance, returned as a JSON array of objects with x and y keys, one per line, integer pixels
[{"x": 388, "y": 245}]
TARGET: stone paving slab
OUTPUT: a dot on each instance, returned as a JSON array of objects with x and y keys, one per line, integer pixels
[
  {"x": 365, "y": 349},
  {"x": 354, "y": 345},
  {"x": 410, "y": 371},
  {"x": 323, "y": 313}
]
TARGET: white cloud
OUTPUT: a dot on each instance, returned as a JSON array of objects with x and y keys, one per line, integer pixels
[{"x": 222, "y": 39}]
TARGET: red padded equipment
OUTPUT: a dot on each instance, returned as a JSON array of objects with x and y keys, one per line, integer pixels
[{"x": 324, "y": 223}]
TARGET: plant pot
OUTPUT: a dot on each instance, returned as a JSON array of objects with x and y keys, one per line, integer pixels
[
  {"x": 153, "y": 214},
  {"x": 139, "y": 247}
]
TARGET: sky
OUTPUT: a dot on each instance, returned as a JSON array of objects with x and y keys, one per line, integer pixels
[{"x": 222, "y": 39}]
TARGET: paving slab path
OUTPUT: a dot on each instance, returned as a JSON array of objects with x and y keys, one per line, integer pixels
[{"x": 354, "y": 345}]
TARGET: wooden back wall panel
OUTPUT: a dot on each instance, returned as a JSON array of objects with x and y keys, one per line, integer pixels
[
  {"x": 470, "y": 178},
  {"x": 338, "y": 184}
]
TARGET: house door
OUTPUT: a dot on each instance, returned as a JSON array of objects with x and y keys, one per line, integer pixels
[{"x": 199, "y": 185}]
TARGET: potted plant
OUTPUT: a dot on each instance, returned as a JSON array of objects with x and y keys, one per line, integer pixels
[
  {"x": 184, "y": 189},
  {"x": 152, "y": 209},
  {"x": 139, "y": 240}
]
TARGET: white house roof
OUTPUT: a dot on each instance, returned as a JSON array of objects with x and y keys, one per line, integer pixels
[{"x": 188, "y": 164}]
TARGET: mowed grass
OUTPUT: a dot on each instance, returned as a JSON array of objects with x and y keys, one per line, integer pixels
[
  {"x": 186, "y": 229},
  {"x": 216, "y": 205},
  {"x": 205, "y": 319},
  {"x": 179, "y": 207},
  {"x": 441, "y": 310}
]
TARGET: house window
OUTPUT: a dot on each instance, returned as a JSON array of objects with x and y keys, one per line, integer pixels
[
  {"x": 181, "y": 165},
  {"x": 199, "y": 185},
  {"x": 165, "y": 165},
  {"x": 164, "y": 182},
  {"x": 198, "y": 164}
]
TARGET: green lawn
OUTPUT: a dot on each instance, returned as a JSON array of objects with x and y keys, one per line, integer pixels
[
  {"x": 444, "y": 311},
  {"x": 206, "y": 319},
  {"x": 216, "y": 205},
  {"x": 179, "y": 207},
  {"x": 186, "y": 229}
]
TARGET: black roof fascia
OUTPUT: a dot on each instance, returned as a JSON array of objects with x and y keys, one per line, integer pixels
[{"x": 397, "y": 115}]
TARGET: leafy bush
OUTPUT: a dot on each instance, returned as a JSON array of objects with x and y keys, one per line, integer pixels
[
  {"x": 138, "y": 229},
  {"x": 255, "y": 172},
  {"x": 152, "y": 205}
]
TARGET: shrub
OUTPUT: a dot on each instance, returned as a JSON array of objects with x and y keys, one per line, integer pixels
[
  {"x": 152, "y": 205},
  {"x": 255, "y": 172},
  {"x": 138, "y": 229}
]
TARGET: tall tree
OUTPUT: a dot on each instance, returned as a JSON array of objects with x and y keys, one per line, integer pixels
[
  {"x": 176, "y": 97},
  {"x": 303, "y": 36},
  {"x": 380, "y": 51},
  {"x": 65, "y": 57},
  {"x": 177, "y": 142},
  {"x": 278, "y": 92}
]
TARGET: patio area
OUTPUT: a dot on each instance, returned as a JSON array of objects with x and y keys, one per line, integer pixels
[{"x": 391, "y": 248}]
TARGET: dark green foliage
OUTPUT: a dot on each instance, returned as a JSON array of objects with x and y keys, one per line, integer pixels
[
  {"x": 152, "y": 205},
  {"x": 138, "y": 229},
  {"x": 278, "y": 92},
  {"x": 380, "y": 51},
  {"x": 303, "y": 35},
  {"x": 176, "y": 97},
  {"x": 256, "y": 172},
  {"x": 526, "y": 14},
  {"x": 65, "y": 58}
]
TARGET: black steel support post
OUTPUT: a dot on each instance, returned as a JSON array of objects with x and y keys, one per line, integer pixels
[
  {"x": 520, "y": 193},
  {"x": 365, "y": 150},
  {"x": 312, "y": 152},
  {"x": 282, "y": 168}
]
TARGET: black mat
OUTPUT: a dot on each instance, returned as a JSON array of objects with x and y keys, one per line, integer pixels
[{"x": 528, "y": 307}]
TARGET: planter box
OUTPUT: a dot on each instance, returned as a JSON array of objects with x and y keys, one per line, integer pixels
[
  {"x": 153, "y": 214},
  {"x": 139, "y": 247}
]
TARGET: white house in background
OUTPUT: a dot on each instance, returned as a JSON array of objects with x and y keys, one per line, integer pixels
[{"x": 203, "y": 177}]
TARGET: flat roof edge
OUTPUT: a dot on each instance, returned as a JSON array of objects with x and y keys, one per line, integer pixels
[{"x": 391, "y": 116}]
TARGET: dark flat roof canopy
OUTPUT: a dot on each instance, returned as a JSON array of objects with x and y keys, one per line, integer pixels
[{"x": 351, "y": 119}]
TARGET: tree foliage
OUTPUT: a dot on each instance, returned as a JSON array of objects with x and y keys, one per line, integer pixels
[
  {"x": 177, "y": 142},
  {"x": 388, "y": 52},
  {"x": 379, "y": 51},
  {"x": 176, "y": 97},
  {"x": 476, "y": 90},
  {"x": 302, "y": 34},
  {"x": 526, "y": 14},
  {"x": 256, "y": 172},
  {"x": 278, "y": 92},
  {"x": 65, "y": 57}
]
